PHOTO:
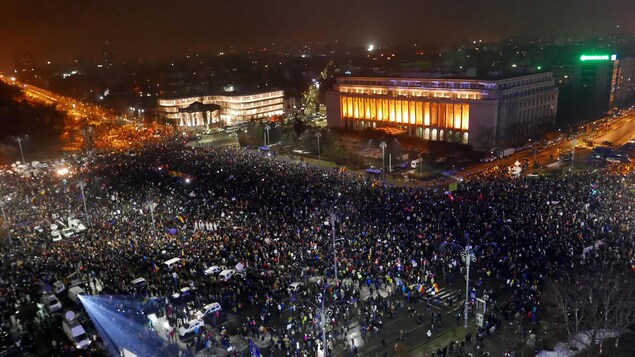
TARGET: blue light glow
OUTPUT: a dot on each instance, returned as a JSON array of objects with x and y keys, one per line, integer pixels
[{"x": 120, "y": 325}]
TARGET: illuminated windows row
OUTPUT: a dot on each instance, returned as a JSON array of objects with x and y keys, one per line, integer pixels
[{"x": 443, "y": 115}]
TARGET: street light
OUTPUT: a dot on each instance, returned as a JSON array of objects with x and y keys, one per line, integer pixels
[
  {"x": 267, "y": 128},
  {"x": 334, "y": 248},
  {"x": 468, "y": 256},
  {"x": 19, "y": 140},
  {"x": 383, "y": 145},
  {"x": 573, "y": 155},
  {"x": 82, "y": 184},
  {"x": 318, "y": 135},
  {"x": 151, "y": 206}
]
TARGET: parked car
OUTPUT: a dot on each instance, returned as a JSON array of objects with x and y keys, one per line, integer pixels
[
  {"x": 52, "y": 303},
  {"x": 67, "y": 232},
  {"x": 139, "y": 283},
  {"x": 76, "y": 333},
  {"x": 55, "y": 233},
  {"x": 190, "y": 327},
  {"x": 226, "y": 275},
  {"x": 295, "y": 287},
  {"x": 183, "y": 296},
  {"x": 74, "y": 293},
  {"x": 489, "y": 158},
  {"x": 152, "y": 305},
  {"x": 58, "y": 287},
  {"x": 76, "y": 225},
  {"x": 208, "y": 310},
  {"x": 214, "y": 269}
]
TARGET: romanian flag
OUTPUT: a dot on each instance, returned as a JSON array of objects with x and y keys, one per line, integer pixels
[
  {"x": 155, "y": 268},
  {"x": 436, "y": 287},
  {"x": 421, "y": 288},
  {"x": 181, "y": 219}
]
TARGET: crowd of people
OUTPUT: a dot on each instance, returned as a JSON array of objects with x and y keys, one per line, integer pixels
[{"x": 229, "y": 206}]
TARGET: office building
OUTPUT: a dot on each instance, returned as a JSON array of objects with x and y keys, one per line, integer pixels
[
  {"x": 227, "y": 108},
  {"x": 483, "y": 113}
]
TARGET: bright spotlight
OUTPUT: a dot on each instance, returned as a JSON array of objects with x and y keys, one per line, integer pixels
[
  {"x": 371, "y": 47},
  {"x": 122, "y": 326},
  {"x": 63, "y": 171}
]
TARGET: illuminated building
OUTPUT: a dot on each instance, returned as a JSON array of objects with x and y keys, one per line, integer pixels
[
  {"x": 595, "y": 80},
  {"x": 481, "y": 113},
  {"x": 227, "y": 108},
  {"x": 625, "y": 90}
]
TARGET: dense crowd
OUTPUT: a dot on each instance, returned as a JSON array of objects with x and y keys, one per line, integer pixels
[{"x": 227, "y": 206}]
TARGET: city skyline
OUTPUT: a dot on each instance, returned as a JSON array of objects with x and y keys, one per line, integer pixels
[{"x": 64, "y": 30}]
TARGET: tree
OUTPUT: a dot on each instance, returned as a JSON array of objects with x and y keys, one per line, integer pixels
[
  {"x": 598, "y": 299},
  {"x": 484, "y": 137}
]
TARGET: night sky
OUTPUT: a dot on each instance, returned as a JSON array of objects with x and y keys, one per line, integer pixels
[{"x": 64, "y": 29}]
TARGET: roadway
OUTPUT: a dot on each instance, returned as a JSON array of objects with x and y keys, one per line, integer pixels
[
  {"x": 615, "y": 133},
  {"x": 72, "y": 107}
]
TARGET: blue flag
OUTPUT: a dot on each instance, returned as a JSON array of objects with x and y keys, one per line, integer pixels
[{"x": 253, "y": 349}]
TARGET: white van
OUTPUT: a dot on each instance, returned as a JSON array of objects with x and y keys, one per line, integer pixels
[
  {"x": 225, "y": 275},
  {"x": 416, "y": 163},
  {"x": 74, "y": 292},
  {"x": 139, "y": 283},
  {"x": 58, "y": 287},
  {"x": 172, "y": 262},
  {"x": 76, "y": 333}
]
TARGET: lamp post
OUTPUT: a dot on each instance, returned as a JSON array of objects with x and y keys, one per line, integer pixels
[
  {"x": 573, "y": 155},
  {"x": 318, "y": 135},
  {"x": 151, "y": 206},
  {"x": 468, "y": 256},
  {"x": 383, "y": 145},
  {"x": 82, "y": 184},
  {"x": 19, "y": 140},
  {"x": 267, "y": 128},
  {"x": 334, "y": 248}
]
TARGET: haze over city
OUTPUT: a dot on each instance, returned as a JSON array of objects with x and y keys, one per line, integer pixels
[
  {"x": 406, "y": 178},
  {"x": 63, "y": 30}
]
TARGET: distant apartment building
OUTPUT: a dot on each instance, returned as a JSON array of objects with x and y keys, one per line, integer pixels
[
  {"x": 625, "y": 91},
  {"x": 483, "y": 113},
  {"x": 226, "y": 108}
]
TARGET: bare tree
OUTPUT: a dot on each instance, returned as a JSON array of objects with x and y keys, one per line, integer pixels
[{"x": 595, "y": 301}]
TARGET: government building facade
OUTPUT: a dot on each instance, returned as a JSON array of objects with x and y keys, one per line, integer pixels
[
  {"x": 480, "y": 113},
  {"x": 222, "y": 109}
]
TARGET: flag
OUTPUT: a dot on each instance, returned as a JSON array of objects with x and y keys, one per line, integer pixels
[
  {"x": 253, "y": 349},
  {"x": 181, "y": 219},
  {"x": 155, "y": 268}
]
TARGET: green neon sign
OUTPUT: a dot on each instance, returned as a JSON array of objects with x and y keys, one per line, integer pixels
[{"x": 598, "y": 57}]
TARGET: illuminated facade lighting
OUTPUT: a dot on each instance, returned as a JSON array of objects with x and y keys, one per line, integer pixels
[
  {"x": 482, "y": 113},
  {"x": 234, "y": 109}
]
